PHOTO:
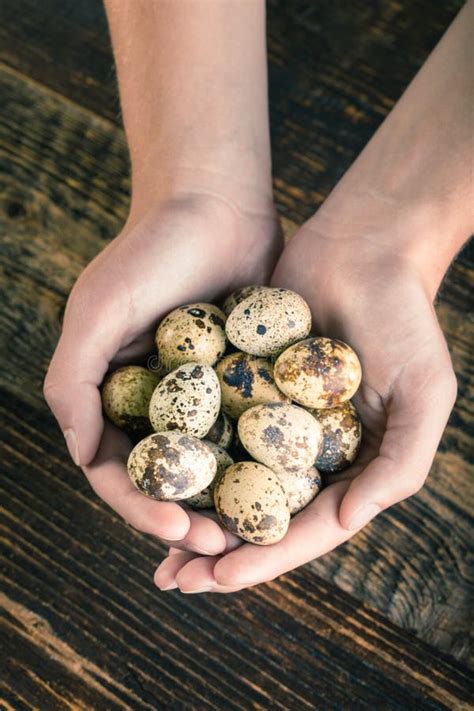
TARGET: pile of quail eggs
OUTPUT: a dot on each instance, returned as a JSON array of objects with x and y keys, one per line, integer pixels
[{"x": 246, "y": 413}]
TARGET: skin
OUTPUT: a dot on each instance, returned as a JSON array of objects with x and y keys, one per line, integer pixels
[
  {"x": 201, "y": 223},
  {"x": 385, "y": 236}
]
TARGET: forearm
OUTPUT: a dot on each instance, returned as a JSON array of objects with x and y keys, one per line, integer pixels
[
  {"x": 193, "y": 86},
  {"x": 417, "y": 170}
]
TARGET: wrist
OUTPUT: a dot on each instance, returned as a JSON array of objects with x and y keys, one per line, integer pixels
[
  {"x": 242, "y": 190},
  {"x": 426, "y": 235},
  {"x": 410, "y": 190},
  {"x": 194, "y": 104}
]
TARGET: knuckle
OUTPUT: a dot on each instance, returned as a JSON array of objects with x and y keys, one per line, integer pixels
[
  {"x": 79, "y": 299},
  {"x": 51, "y": 391},
  {"x": 450, "y": 385},
  {"x": 411, "y": 486},
  {"x": 444, "y": 385}
]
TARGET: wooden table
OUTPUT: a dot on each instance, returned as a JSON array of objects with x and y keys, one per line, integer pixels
[{"x": 380, "y": 623}]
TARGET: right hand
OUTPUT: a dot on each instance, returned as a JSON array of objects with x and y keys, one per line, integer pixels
[{"x": 194, "y": 247}]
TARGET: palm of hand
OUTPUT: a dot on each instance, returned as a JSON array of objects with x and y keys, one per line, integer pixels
[
  {"x": 406, "y": 395},
  {"x": 111, "y": 317}
]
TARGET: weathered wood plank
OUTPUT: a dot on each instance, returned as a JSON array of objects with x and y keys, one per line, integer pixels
[
  {"x": 80, "y": 614},
  {"x": 335, "y": 70},
  {"x": 60, "y": 207}
]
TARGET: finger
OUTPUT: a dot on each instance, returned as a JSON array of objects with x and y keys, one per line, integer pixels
[
  {"x": 90, "y": 338},
  {"x": 139, "y": 352},
  {"x": 165, "y": 575},
  {"x": 107, "y": 475},
  {"x": 196, "y": 576},
  {"x": 313, "y": 532},
  {"x": 417, "y": 416},
  {"x": 205, "y": 536},
  {"x": 231, "y": 541}
]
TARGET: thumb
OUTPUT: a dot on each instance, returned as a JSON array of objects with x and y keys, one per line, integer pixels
[
  {"x": 71, "y": 388},
  {"x": 414, "y": 428}
]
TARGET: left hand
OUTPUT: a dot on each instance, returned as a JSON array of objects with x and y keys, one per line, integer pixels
[{"x": 366, "y": 294}]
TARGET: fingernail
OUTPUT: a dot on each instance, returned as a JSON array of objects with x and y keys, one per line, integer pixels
[
  {"x": 200, "y": 590},
  {"x": 363, "y": 515},
  {"x": 71, "y": 441},
  {"x": 173, "y": 586}
]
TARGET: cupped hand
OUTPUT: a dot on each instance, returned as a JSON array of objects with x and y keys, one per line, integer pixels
[
  {"x": 363, "y": 291},
  {"x": 194, "y": 247}
]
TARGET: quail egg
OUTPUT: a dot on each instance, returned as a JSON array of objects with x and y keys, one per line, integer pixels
[
  {"x": 318, "y": 372},
  {"x": 252, "y": 503},
  {"x": 342, "y": 434},
  {"x": 126, "y": 395},
  {"x": 170, "y": 466},
  {"x": 301, "y": 487},
  {"x": 265, "y": 323},
  {"x": 221, "y": 432},
  {"x": 281, "y": 436},
  {"x": 205, "y": 498},
  {"x": 187, "y": 399},
  {"x": 246, "y": 381},
  {"x": 191, "y": 333},
  {"x": 239, "y": 295}
]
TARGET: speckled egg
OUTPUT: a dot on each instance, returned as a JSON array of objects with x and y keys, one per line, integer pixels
[
  {"x": 221, "y": 432},
  {"x": 239, "y": 295},
  {"x": 251, "y": 503},
  {"x": 192, "y": 333},
  {"x": 281, "y": 436},
  {"x": 245, "y": 381},
  {"x": 301, "y": 487},
  {"x": 205, "y": 498},
  {"x": 265, "y": 323},
  {"x": 318, "y": 372},
  {"x": 170, "y": 466},
  {"x": 126, "y": 395},
  {"x": 342, "y": 434},
  {"x": 188, "y": 399}
]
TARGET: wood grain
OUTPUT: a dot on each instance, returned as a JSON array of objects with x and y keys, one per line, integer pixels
[
  {"x": 335, "y": 70},
  {"x": 82, "y": 620},
  {"x": 413, "y": 562},
  {"x": 82, "y": 626}
]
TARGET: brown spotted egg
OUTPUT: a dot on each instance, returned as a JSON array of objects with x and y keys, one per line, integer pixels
[
  {"x": 265, "y": 323},
  {"x": 342, "y": 434},
  {"x": 239, "y": 295},
  {"x": 301, "y": 487},
  {"x": 281, "y": 436},
  {"x": 187, "y": 399},
  {"x": 170, "y": 466},
  {"x": 192, "y": 333},
  {"x": 205, "y": 498},
  {"x": 251, "y": 503},
  {"x": 245, "y": 381},
  {"x": 126, "y": 395},
  {"x": 221, "y": 432},
  {"x": 318, "y": 372}
]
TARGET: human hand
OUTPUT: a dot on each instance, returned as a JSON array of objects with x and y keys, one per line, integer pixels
[
  {"x": 368, "y": 296},
  {"x": 201, "y": 223},
  {"x": 193, "y": 247},
  {"x": 369, "y": 264}
]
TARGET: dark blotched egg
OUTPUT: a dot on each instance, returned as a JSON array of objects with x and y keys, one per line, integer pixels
[
  {"x": 318, "y": 372},
  {"x": 170, "y": 466},
  {"x": 252, "y": 503},
  {"x": 191, "y": 333}
]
